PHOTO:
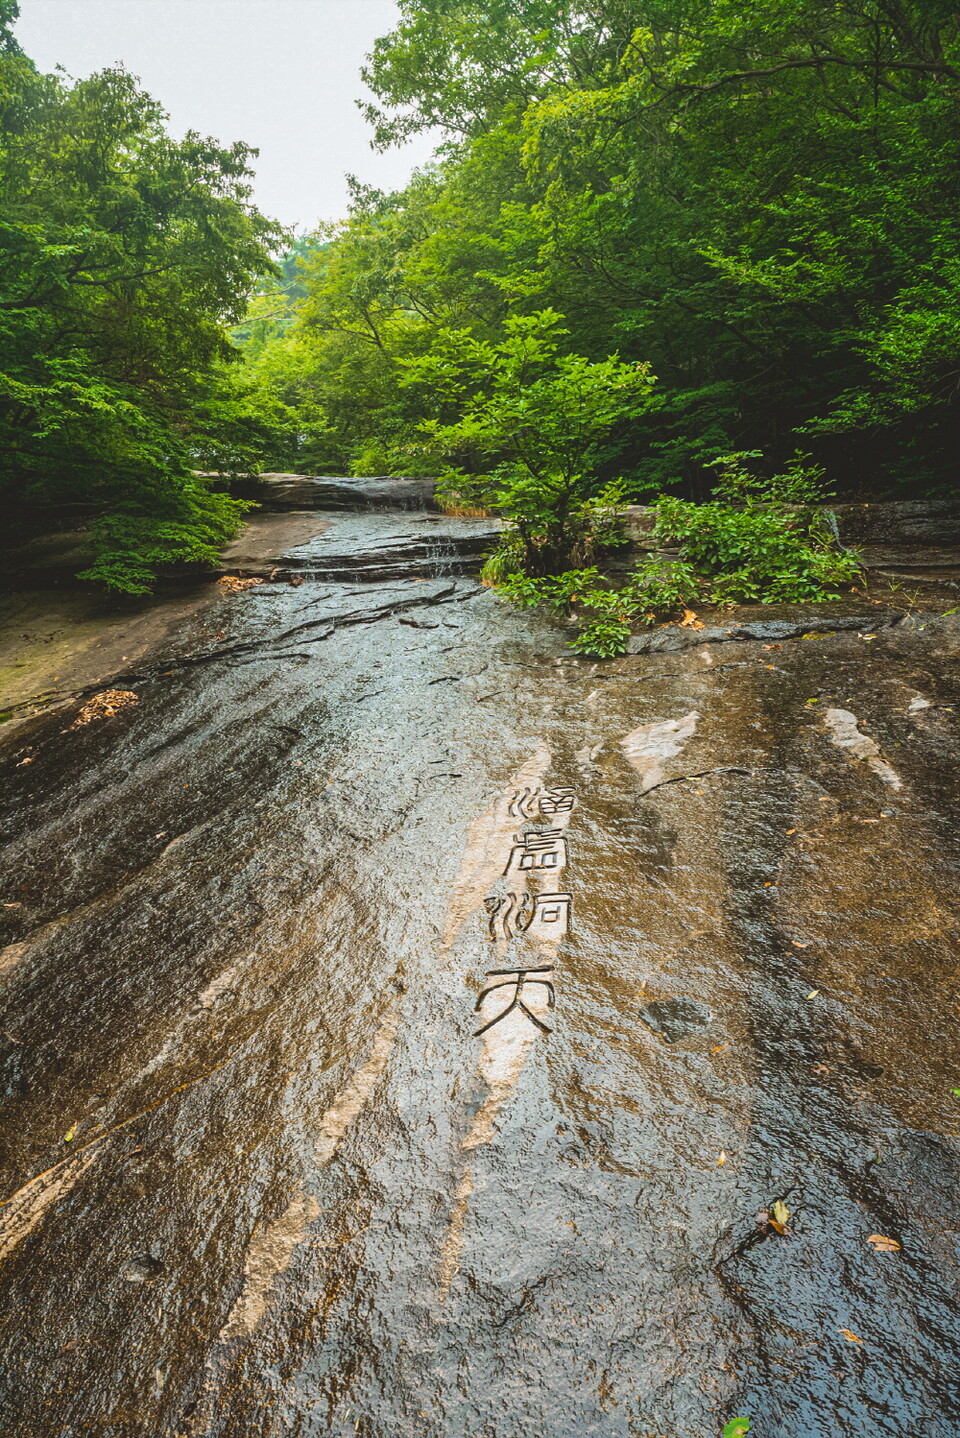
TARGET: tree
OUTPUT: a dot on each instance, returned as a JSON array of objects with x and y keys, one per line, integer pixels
[
  {"x": 760, "y": 198},
  {"x": 539, "y": 419},
  {"x": 124, "y": 254}
]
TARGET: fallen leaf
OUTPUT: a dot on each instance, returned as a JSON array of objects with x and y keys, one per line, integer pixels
[
  {"x": 820, "y": 1069},
  {"x": 954, "y": 1091},
  {"x": 25, "y": 761},
  {"x": 68, "y": 1136},
  {"x": 791, "y": 831},
  {"x": 722, "y": 1159},
  {"x": 20, "y": 906},
  {"x": 690, "y": 620},
  {"x": 720, "y": 1048},
  {"x": 779, "y": 1212},
  {"x": 104, "y": 705},
  {"x": 798, "y": 945},
  {"x": 232, "y": 584},
  {"x": 773, "y": 646},
  {"x": 736, "y": 1428},
  {"x": 850, "y": 1337},
  {"x": 813, "y": 993},
  {"x": 883, "y": 1244}
]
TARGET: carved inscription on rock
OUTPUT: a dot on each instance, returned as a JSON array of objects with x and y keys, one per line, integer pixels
[{"x": 532, "y": 911}]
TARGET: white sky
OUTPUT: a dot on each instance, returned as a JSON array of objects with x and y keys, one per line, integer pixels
[{"x": 282, "y": 75}]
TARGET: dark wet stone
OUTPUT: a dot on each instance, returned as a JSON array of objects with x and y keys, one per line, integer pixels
[
  {"x": 296, "y": 491},
  {"x": 258, "y": 831},
  {"x": 772, "y": 623},
  {"x": 143, "y": 1269},
  {"x": 903, "y": 521},
  {"x": 675, "y": 1019}
]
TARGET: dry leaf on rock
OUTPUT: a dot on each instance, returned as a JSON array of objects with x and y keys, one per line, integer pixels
[
  {"x": 850, "y": 1337},
  {"x": 779, "y": 1216},
  {"x": 883, "y": 1244},
  {"x": 233, "y": 584},
  {"x": 690, "y": 620},
  {"x": 104, "y": 705}
]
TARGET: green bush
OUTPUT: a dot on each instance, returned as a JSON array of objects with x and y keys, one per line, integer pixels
[{"x": 759, "y": 540}]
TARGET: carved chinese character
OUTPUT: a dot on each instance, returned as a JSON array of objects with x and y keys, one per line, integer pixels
[
  {"x": 525, "y": 804},
  {"x": 538, "y": 849},
  {"x": 518, "y": 980},
  {"x": 547, "y": 916},
  {"x": 509, "y": 916},
  {"x": 550, "y": 918},
  {"x": 557, "y": 801}
]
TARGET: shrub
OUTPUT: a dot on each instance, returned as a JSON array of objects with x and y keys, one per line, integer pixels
[{"x": 759, "y": 539}]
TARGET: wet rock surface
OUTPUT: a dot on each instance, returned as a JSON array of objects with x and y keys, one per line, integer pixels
[
  {"x": 769, "y": 622},
  {"x": 676, "y": 1019},
  {"x": 295, "y": 491},
  {"x": 376, "y": 547},
  {"x": 265, "y": 1173}
]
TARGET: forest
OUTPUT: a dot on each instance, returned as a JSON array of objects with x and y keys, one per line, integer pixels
[{"x": 668, "y": 250}]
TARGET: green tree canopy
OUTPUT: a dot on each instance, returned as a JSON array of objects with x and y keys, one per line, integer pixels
[
  {"x": 123, "y": 255},
  {"x": 758, "y": 198}
]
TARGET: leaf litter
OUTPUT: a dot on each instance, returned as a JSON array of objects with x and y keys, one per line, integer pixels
[{"x": 104, "y": 705}]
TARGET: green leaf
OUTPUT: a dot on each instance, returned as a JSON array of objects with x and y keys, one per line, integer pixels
[{"x": 736, "y": 1428}]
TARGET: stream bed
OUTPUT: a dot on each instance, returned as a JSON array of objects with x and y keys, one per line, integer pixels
[{"x": 409, "y": 1028}]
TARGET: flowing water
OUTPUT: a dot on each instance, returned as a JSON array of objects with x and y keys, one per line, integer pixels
[{"x": 408, "y": 1027}]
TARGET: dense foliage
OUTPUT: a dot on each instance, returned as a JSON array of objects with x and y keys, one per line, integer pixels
[
  {"x": 123, "y": 255},
  {"x": 532, "y": 420},
  {"x": 763, "y": 539},
  {"x": 755, "y": 201},
  {"x": 757, "y": 198}
]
